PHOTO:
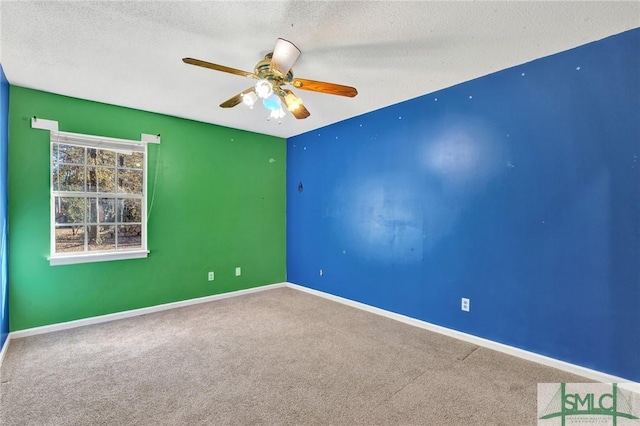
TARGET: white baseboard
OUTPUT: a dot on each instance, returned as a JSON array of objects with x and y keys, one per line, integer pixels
[
  {"x": 490, "y": 344},
  {"x": 4, "y": 350},
  {"x": 136, "y": 312}
]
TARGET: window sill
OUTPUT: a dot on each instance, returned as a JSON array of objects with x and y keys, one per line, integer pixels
[{"x": 96, "y": 257}]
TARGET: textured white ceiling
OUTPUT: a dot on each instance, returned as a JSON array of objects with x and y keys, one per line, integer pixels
[{"x": 129, "y": 53}]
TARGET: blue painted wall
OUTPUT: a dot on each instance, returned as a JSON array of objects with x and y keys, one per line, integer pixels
[
  {"x": 4, "y": 288},
  {"x": 519, "y": 190}
]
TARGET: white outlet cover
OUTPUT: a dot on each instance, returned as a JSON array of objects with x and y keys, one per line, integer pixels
[
  {"x": 238, "y": 271},
  {"x": 465, "y": 304},
  {"x": 211, "y": 276}
]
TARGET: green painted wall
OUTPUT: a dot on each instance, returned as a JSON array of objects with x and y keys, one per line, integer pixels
[{"x": 218, "y": 203}]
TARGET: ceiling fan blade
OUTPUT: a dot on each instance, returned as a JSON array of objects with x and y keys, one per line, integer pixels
[
  {"x": 217, "y": 67},
  {"x": 284, "y": 56},
  {"x": 294, "y": 105},
  {"x": 320, "y": 86},
  {"x": 231, "y": 102}
]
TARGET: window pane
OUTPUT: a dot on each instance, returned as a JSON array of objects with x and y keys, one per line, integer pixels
[
  {"x": 107, "y": 209},
  {"x": 68, "y": 178},
  {"x": 101, "y": 157},
  {"x": 92, "y": 179},
  {"x": 69, "y": 209},
  {"x": 55, "y": 176},
  {"x": 130, "y": 181},
  {"x": 106, "y": 180},
  {"x": 69, "y": 239},
  {"x": 102, "y": 237},
  {"x": 92, "y": 210},
  {"x": 101, "y": 179},
  {"x": 101, "y": 210},
  {"x": 129, "y": 236},
  {"x": 129, "y": 210},
  {"x": 133, "y": 161},
  {"x": 68, "y": 154}
]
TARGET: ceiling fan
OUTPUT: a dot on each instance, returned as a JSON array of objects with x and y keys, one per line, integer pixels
[{"x": 272, "y": 73}]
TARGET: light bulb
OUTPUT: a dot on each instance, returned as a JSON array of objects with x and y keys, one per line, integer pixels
[
  {"x": 277, "y": 113},
  {"x": 293, "y": 102},
  {"x": 249, "y": 99},
  {"x": 294, "y": 105},
  {"x": 264, "y": 89},
  {"x": 272, "y": 102}
]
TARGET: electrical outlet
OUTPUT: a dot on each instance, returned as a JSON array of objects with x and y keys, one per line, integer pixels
[
  {"x": 466, "y": 304},
  {"x": 238, "y": 271},
  {"x": 321, "y": 272},
  {"x": 211, "y": 276}
]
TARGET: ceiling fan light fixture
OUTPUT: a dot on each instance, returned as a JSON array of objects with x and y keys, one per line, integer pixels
[
  {"x": 285, "y": 55},
  {"x": 277, "y": 113},
  {"x": 264, "y": 89},
  {"x": 249, "y": 99},
  {"x": 272, "y": 102},
  {"x": 293, "y": 102}
]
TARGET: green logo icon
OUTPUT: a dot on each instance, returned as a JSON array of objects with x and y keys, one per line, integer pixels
[{"x": 588, "y": 400}]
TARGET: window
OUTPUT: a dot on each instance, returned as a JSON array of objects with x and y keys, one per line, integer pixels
[
  {"x": 98, "y": 196},
  {"x": 98, "y": 199}
]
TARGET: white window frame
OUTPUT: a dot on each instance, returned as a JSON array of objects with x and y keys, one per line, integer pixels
[{"x": 99, "y": 142}]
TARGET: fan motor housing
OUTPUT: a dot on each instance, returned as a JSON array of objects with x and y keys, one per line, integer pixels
[{"x": 263, "y": 70}]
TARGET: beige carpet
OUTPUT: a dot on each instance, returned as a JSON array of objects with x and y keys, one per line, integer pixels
[{"x": 275, "y": 357}]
